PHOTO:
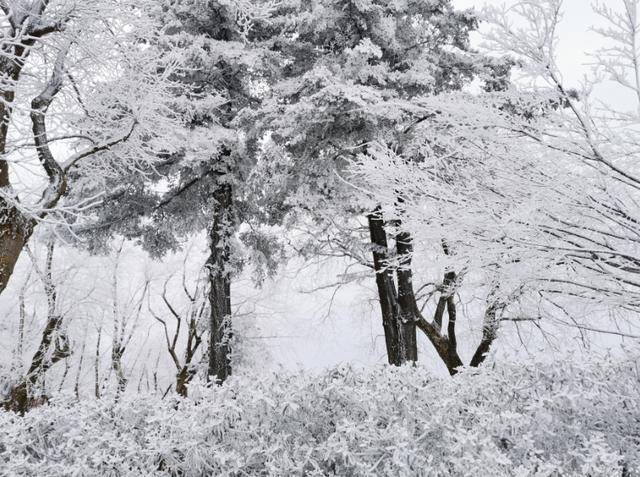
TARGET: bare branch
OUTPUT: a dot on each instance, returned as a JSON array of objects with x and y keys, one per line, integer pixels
[{"x": 73, "y": 160}]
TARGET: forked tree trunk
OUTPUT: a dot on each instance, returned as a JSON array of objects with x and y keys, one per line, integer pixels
[
  {"x": 187, "y": 371},
  {"x": 220, "y": 332},
  {"x": 399, "y": 311},
  {"x": 15, "y": 229},
  {"x": 401, "y": 315},
  {"x": 386, "y": 287}
]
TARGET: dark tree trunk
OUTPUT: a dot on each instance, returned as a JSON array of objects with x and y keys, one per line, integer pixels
[
  {"x": 220, "y": 332},
  {"x": 401, "y": 315},
  {"x": 15, "y": 228},
  {"x": 15, "y": 231},
  {"x": 409, "y": 312},
  {"x": 399, "y": 309},
  {"x": 386, "y": 287},
  {"x": 187, "y": 372}
]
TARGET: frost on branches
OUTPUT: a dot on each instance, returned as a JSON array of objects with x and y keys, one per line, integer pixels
[
  {"x": 81, "y": 100},
  {"x": 473, "y": 191},
  {"x": 526, "y": 196},
  {"x": 357, "y": 73},
  {"x": 589, "y": 154}
]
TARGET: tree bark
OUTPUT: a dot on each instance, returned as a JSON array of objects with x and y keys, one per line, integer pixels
[
  {"x": 15, "y": 231},
  {"x": 220, "y": 332},
  {"x": 401, "y": 315},
  {"x": 117, "y": 351},
  {"x": 409, "y": 312},
  {"x": 489, "y": 333},
  {"x": 182, "y": 380},
  {"x": 187, "y": 372},
  {"x": 386, "y": 287}
]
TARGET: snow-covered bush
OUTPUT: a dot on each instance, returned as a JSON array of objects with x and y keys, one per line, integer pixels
[{"x": 561, "y": 418}]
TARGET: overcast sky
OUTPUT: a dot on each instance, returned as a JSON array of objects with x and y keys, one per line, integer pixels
[
  {"x": 575, "y": 38},
  {"x": 576, "y": 41}
]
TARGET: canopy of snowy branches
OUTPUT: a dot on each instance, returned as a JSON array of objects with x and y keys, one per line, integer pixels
[{"x": 336, "y": 237}]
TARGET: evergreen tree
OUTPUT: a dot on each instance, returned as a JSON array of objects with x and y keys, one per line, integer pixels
[
  {"x": 282, "y": 97},
  {"x": 200, "y": 186}
]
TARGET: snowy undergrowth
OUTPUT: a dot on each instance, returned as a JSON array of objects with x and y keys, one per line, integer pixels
[{"x": 565, "y": 418}]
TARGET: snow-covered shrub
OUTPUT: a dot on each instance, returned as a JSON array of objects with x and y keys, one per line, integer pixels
[{"x": 562, "y": 418}]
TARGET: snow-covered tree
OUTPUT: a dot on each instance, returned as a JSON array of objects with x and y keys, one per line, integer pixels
[
  {"x": 531, "y": 191},
  {"x": 591, "y": 221},
  {"x": 53, "y": 346},
  {"x": 200, "y": 186},
  {"x": 355, "y": 72},
  {"x": 81, "y": 100},
  {"x": 466, "y": 187}
]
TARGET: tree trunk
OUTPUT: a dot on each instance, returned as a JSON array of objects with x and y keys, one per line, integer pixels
[
  {"x": 489, "y": 332},
  {"x": 20, "y": 399},
  {"x": 220, "y": 332},
  {"x": 399, "y": 309},
  {"x": 401, "y": 315},
  {"x": 386, "y": 287},
  {"x": 15, "y": 231},
  {"x": 116, "y": 363},
  {"x": 409, "y": 312},
  {"x": 15, "y": 228},
  {"x": 181, "y": 382}
]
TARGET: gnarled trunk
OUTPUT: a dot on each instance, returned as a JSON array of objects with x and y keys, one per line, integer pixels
[{"x": 220, "y": 332}]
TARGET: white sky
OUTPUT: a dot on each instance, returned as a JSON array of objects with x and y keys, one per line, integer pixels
[
  {"x": 575, "y": 38},
  {"x": 576, "y": 41}
]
